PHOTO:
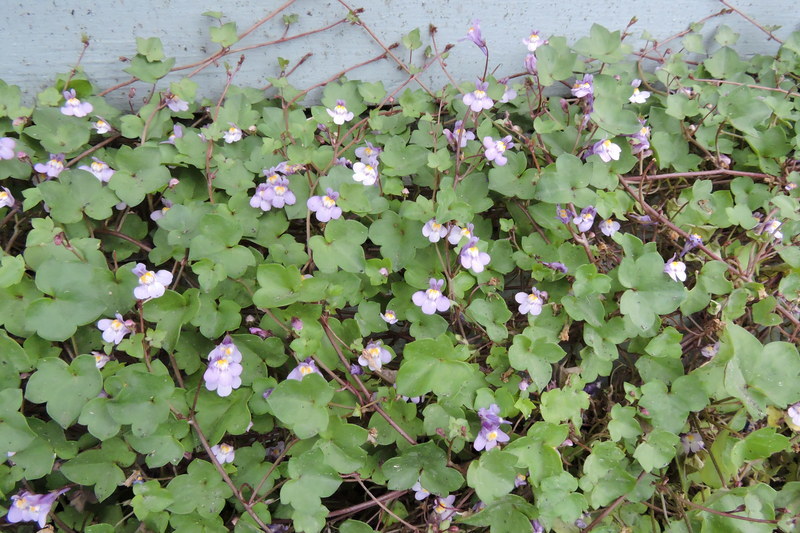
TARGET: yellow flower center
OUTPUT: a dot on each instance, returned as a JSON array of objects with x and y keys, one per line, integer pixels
[
  {"x": 644, "y": 131},
  {"x": 225, "y": 448},
  {"x": 473, "y": 250},
  {"x": 390, "y": 315},
  {"x": 101, "y": 123},
  {"x": 327, "y": 201},
  {"x": 532, "y": 298},
  {"x": 479, "y": 93},
  {"x": 279, "y": 190},
  {"x": 373, "y": 352},
  {"x": 3, "y": 195},
  {"x": 96, "y": 166},
  {"x": 228, "y": 350},
  {"x": 20, "y": 503},
  {"x": 587, "y": 216},
  {"x": 233, "y": 130},
  {"x": 306, "y": 369},
  {"x": 609, "y": 222},
  {"x": 533, "y": 37},
  {"x": 433, "y": 294},
  {"x": 147, "y": 278},
  {"x": 368, "y": 151},
  {"x": 74, "y": 101},
  {"x": 501, "y": 146},
  {"x": 56, "y": 163},
  {"x": 675, "y": 264},
  {"x": 222, "y": 363},
  {"x": 340, "y": 109},
  {"x": 607, "y": 143},
  {"x": 492, "y": 435},
  {"x": 562, "y": 213},
  {"x": 99, "y": 357},
  {"x": 440, "y": 508},
  {"x": 435, "y": 226},
  {"x": 466, "y": 233},
  {"x": 635, "y": 90},
  {"x": 272, "y": 178},
  {"x": 116, "y": 325},
  {"x": 368, "y": 168}
]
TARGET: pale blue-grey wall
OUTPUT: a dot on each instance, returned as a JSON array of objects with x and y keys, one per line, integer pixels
[{"x": 40, "y": 38}]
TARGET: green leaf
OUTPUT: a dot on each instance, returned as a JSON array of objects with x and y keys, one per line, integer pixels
[
  {"x": 140, "y": 397},
  {"x": 150, "y": 48},
  {"x": 201, "y": 489},
  {"x": 399, "y": 238},
  {"x": 15, "y": 435},
  {"x": 652, "y": 292},
  {"x": 509, "y": 514},
  {"x": 426, "y": 463},
  {"x": 657, "y": 450},
  {"x": 564, "y": 404},
  {"x": 760, "y": 444},
  {"x": 435, "y": 365},
  {"x": 536, "y": 357},
  {"x": 139, "y": 173},
  {"x": 100, "y": 467},
  {"x": 225, "y": 35},
  {"x": 492, "y": 476},
  {"x": 65, "y": 388},
  {"x": 302, "y": 405},
  {"x": 411, "y": 40},
  {"x": 57, "y": 132}
]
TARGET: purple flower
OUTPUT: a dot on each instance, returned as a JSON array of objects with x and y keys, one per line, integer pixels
[
  {"x": 100, "y": 359},
  {"x": 74, "y": 107},
  {"x": 457, "y": 233},
  {"x": 692, "y": 442},
  {"x": 537, "y": 526},
  {"x": 490, "y": 416},
  {"x": 641, "y": 219},
  {"x": 29, "y": 507},
  {"x": 583, "y": 88},
  {"x": 585, "y": 220},
  {"x": 773, "y": 228},
  {"x": 260, "y": 332},
  {"x": 459, "y": 136},
  {"x": 495, "y": 149},
  {"x": 99, "y": 169},
  {"x": 432, "y": 299},
  {"x": 530, "y": 303},
  {"x": 367, "y": 152},
  {"x": 472, "y": 258},
  {"x": 224, "y": 368},
  {"x": 374, "y": 356},
  {"x": 478, "y": 100},
  {"x": 563, "y": 215},
  {"x": 638, "y": 97},
  {"x": 233, "y": 134},
  {"x": 366, "y": 172},
  {"x": 508, "y": 95},
  {"x": 177, "y": 133},
  {"x": 101, "y": 126},
  {"x": 533, "y": 41},
  {"x": 303, "y": 369},
  {"x": 356, "y": 370},
  {"x": 273, "y": 175},
  {"x": 116, "y": 329},
  {"x": 710, "y": 350},
  {"x": 675, "y": 269},
  {"x": 694, "y": 241},
  {"x": 389, "y": 317},
  {"x": 555, "y": 265},
  {"x": 324, "y": 207},
  {"x": 224, "y": 453},
  {"x": 280, "y": 194},
  {"x": 339, "y": 113},
  {"x": 474, "y": 35},
  {"x": 53, "y": 167},
  {"x": 530, "y": 64},
  {"x": 793, "y": 412},
  {"x": 297, "y": 324},
  {"x": 175, "y": 104},
  {"x": 444, "y": 507},
  {"x": 434, "y": 231},
  {"x": 151, "y": 284},
  {"x": 343, "y": 162},
  {"x": 609, "y": 227},
  {"x": 520, "y": 481},
  {"x": 419, "y": 492},
  {"x": 158, "y": 214},
  {"x": 6, "y": 199},
  {"x": 490, "y": 433},
  {"x": 7, "y": 145},
  {"x": 640, "y": 141},
  {"x": 607, "y": 150},
  {"x": 524, "y": 384}
]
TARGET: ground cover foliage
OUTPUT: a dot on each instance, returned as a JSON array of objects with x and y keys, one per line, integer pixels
[{"x": 565, "y": 300}]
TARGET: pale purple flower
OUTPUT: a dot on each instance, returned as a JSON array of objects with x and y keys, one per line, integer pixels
[
  {"x": 339, "y": 113},
  {"x": 508, "y": 95},
  {"x": 530, "y": 303},
  {"x": 645, "y": 220},
  {"x": 374, "y": 356},
  {"x": 638, "y": 97},
  {"x": 434, "y": 231},
  {"x": 101, "y": 126},
  {"x": 490, "y": 434},
  {"x": 537, "y": 526},
  {"x": 7, "y": 145},
  {"x": 789, "y": 187},
  {"x": 224, "y": 368},
  {"x": 53, "y": 167},
  {"x": 520, "y": 481},
  {"x": 177, "y": 133},
  {"x": 73, "y": 106},
  {"x": 675, "y": 269},
  {"x": 389, "y": 317},
  {"x": 6, "y": 199},
  {"x": 444, "y": 507},
  {"x": 524, "y": 384},
  {"x": 533, "y": 41},
  {"x": 420, "y": 493},
  {"x": 530, "y": 64},
  {"x": 563, "y": 214},
  {"x": 175, "y": 104},
  {"x": 710, "y": 350},
  {"x": 640, "y": 141},
  {"x": 232, "y": 134},
  {"x": 99, "y": 169},
  {"x": 432, "y": 299},
  {"x": 158, "y": 214},
  {"x": 273, "y": 175},
  {"x": 609, "y": 227},
  {"x": 693, "y": 242},
  {"x": 472, "y": 258},
  {"x": 583, "y": 88},
  {"x": 490, "y": 416},
  {"x": 555, "y": 265},
  {"x": 478, "y": 100},
  {"x": 607, "y": 150},
  {"x": 457, "y": 233},
  {"x": 280, "y": 194},
  {"x": 343, "y": 162},
  {"x": 114, "y": 330},
  {"x": 297, "y": 324},
  {"x": 692, "y": 442},
  {"x": 793, "y": 413},
  {"x": 356, "y": 370},
  {"x": 365, "y": 153},
  {"x": 100, "y": 359},
  {"x": 459, "y": 136},
  {"x": 224, "y": 453},
  {"x": 151, "y": 284},
  {"x": 773, "y": 228},
  {"x": 260, "y": 332},
  {"x": 29, "y": 507},
  {"x": 585, "y": 220},
  {"x": 324, "y": 207},
  {"x": 495, "y": 149},
  {"x": 303, "y": 369},
  {"x": 366, "y": 172},
  {"x": 474, "y": 35}
]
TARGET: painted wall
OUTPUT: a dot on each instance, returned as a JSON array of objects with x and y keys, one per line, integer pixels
[{"x": 40, "y": 38}]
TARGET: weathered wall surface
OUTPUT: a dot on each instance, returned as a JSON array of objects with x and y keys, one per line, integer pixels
[{"x": 41, "y": 38}]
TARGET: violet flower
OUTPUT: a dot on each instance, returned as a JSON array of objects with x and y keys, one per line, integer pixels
[
  {"x": 260, "y": 332},
  {"x": 773, "y": 228},
  {"x": 793, "y": 412},
  {"x": 583, "y": 88},
  {"x": 531, "y": 303},
  {"x": 177, "y": 133},
  {"x": 490, "y": 434},
  {"x": 638, "y": 97},
  {"x": 693, "y": 242},
  {"x": 158, "y": 214},
  {"x": 339, "y": 113},
  {"x": 710, "y": 350},
  {"x": 530, "y": 64},
  {"x": 444, "y": 507},
  {"x": 434, "y": 231},
  {"x": 175, "y": 104},
  {"x": 367, "y": 152},
  {"x": 563, "y": 214},
  {"x": 640, "y": 141},
  {"x": 343, "y": 162},
  {"x": 457, "y": 233},
  {"x": 472, "y": 258},
  {"x": 459, "y": 136},
  {"x": 224, "y": 453},
  {"x": 495, "y": 149},
  {"x": 692, "y": 443},
  {"x": 585, "y": 220},
  {"x": 233, "y": 134},
  {"x": 151, "y": 284},
  {"x": 7, "y": 145},
  {"x": 508, "y": 95},
  {"x": 366, "y": 172},
  {"x": 53, "y": 167},
  {"x": 533, "y": 41},
  {"x": 555, "y": 265},
  {"x": 303, "y": 369},
  {"x": 374, "y": 356},
  {"x": 420, "y": 493},
  {"x": 609, "y": 227},
  {"x": 675, "y": 269},
  {"x": 478, "y": 100},
  {"x": 73, "y": 106},
  {"x": 29, "y": 507},
  {"x": 324, "y": 207},
  {"x": 607, "y": 150},
  {"x": 224, "y": 368},
  {"x": 99, "y": 169},
  {"x": 356, "y": 370},
  {"x": 101, "y": 126},
  {"x": 474, "y": 35},
  {"x": 6, "y": 199},
  {"x": 520, "y": 481},
  {"x": 432, "y": 299},
  {"x": 100, "y": 359},
  {"x": 116, "y": 329},
  {"x": 389, "y": 317}
]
